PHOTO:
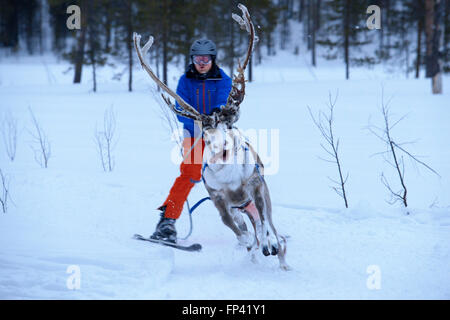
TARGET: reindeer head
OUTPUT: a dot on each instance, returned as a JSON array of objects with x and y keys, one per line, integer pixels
[
  {"x": 214, "y": 125},
  {"x": 218, "y": 142}
]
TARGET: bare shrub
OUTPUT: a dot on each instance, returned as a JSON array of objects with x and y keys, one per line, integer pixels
[
  {"x": 9, "y": 133},
  {"x": 4, "y": 192},
  {"x": 394, "y": 155},
  {"x": 324, "y": 122},
  {"x": 105, "y": 140},
  {"x": 40, "y": 144}
]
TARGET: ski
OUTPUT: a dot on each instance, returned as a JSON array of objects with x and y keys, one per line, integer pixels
[{"x": 193, "y": 247}]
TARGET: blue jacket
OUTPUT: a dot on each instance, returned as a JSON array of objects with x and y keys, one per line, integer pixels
[{"x": 203, "y": 92}]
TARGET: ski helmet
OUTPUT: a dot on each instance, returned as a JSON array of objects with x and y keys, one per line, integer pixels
[{"x": 203, "y": 47}]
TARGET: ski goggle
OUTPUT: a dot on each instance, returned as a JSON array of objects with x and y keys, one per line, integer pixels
[{"x": 202, "y": 60}]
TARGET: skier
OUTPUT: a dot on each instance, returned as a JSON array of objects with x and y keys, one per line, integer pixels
[{"x": 206, "y": 87}]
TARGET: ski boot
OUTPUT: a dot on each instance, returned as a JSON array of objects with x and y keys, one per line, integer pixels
[{"x": 165, "y": 229}]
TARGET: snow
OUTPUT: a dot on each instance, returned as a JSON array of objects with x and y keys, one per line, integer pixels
[{"x": 75, "y": 214}]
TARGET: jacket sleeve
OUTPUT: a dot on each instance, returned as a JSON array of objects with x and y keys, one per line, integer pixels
[
  {"x": 223, "y": 90},
  {"x": 182, "y": 92}
]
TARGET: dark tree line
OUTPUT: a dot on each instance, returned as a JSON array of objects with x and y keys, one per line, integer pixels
[{"x": 334, "y": 28}]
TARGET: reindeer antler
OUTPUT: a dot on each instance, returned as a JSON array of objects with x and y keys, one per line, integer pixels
[
  {"x": 230, "y": 112},
  {"x": 237, "y": 93},
  {"x": 187, "y": 110},
  {"x": 246, "y": 23}
]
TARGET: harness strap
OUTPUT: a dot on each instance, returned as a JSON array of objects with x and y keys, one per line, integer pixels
[
  {"x": 191, "y": 210},
  {"x": 205, "y": 165},
  {"x": 242, "y": 206}
]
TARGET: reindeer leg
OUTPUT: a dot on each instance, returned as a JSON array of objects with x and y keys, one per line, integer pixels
[
  {"x": 227, "y": 218},
  {"x": 273, "y": 241},
  {"x": 257, "y": 209},
  {"x": 237, "y": 217},
  {"x": 281, "y": 245},
  {"x": 245, "y": 239}
]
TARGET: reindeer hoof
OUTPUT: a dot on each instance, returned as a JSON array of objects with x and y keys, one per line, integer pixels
[
  {"x": 274, "y": 251},
  {"x": 265, "y": 251}
]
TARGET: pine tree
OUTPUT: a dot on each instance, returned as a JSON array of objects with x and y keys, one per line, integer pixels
[
  {"x": 403, "y": 22},
  {"x": 58, "y": 18},
  {"x": 344, "y": 32},
  {"x": 96, "y": 53},
  {"x": 21, "y": 19},
  {"x": 77, "y": 56},
  {"x": 9, "y": 24},
  {"x": 419, "y": 17}
]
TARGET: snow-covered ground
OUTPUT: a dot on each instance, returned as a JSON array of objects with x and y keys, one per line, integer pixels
[{"x": 74, "y": 221}]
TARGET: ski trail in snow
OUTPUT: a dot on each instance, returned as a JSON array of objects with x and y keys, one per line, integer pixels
[{"x": 304, "y": 207}]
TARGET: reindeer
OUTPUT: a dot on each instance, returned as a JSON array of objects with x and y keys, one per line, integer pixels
[{"x": 232, "y": 173}]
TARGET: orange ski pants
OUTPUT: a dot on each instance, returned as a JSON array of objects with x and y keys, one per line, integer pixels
[{"x": 190, "y": 171}]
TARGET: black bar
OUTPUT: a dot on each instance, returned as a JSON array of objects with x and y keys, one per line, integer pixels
[{"x": 220, "y": 309}]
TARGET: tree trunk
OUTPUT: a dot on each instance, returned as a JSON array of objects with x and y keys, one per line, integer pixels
[
  {"x": 436, "y": 83},
  {"x": 446, "y": 28},
  {"x": 165, "y": 39},
  {"x": 129, "y": 45},
  {"x": 300, "y": 10},
  {"x": 405, "y": 46},
  {"x": 108, "y": 26},
  {"x": 130, "y": 63},
  {"x": 29, "y": 27},
  {"x": 165, "y": 62},
  {"x": 270, "y": 51},
  {"x": 79, "y": 55},
  {"x": 308, "y": 24},
  {"x": 94, "y": 75},
  {"x": 346, "y": 38},
  {"x": 317, "y": 15},
  {"x": 433, "y": 32},
  {"x": 39, "y": 24},
  {"x": 438, "y": 44},
  {"x": 284, "y": 6},
  {"x": 387, "y": 25},
  {"x": 313, "y": 31},
  {"x": 419, "y": 44}
]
